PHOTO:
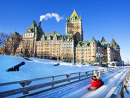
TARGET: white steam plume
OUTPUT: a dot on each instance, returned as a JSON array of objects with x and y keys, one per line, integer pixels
[{"x": 48, "y": 15}]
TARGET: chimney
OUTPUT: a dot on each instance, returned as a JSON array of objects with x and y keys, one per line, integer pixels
[
  {"x": 39, "y": 23},
  {"x": 54, "y": 31}
]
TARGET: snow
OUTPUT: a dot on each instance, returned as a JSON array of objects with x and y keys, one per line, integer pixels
[
  {"x": 109, "y": 86},
  {"x": 38, "y": 68}
]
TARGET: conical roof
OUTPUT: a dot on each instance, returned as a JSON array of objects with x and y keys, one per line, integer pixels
[
  {"x": 103, "y": 39},
  {"x": 93, "y": 39},
  {"x": 32, "y": 27},
  {"x": 74, "y": 14},
  {"x": 113, "y": 42}
]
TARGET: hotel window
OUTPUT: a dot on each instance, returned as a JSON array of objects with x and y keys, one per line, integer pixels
[{"x": 82, "y": 52}]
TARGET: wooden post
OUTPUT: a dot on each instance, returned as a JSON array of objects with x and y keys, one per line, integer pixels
[
  {"x": 122, "y": 92},
  {"x": 67, "y": 75},
  {"x": 52, "y": 80},
  {"x": 79, "y": 75},
  {"x": 86, "y": 73}
]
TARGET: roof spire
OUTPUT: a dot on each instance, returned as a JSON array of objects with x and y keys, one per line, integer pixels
[
  {"x": 93, "y": 39},
  {"x": 103, "y": 39},
  {"x": 74, "y": 14}
]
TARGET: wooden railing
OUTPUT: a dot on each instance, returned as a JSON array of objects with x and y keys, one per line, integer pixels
[
  {"x": 119, "y": 91},
  {"x": 54, "y": 83}
]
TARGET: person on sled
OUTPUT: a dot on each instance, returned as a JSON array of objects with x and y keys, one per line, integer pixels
[{"x": 96, "y": 82}]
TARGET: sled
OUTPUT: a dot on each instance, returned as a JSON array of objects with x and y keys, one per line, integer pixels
[{"x": 94, "y": 88}]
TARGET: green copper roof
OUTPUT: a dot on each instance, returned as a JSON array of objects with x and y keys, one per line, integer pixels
[
  {"x": 113, "y": 42},
  {"x": 32, "y": 27},
  {"x": 51, "y": 34},
  {"x": 59, "y": 37},
  {"x": 93, "y": 39},
  {"x": 103, "y": 39},
  {"x": 64, "y": 37},
  {"x": 82, "y": 43}
]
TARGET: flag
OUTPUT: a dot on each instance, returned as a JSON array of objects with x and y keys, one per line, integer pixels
[{"x": 99, "y": 47}]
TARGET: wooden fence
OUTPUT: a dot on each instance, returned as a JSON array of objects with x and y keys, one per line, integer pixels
[
  {"x": 119, "y": 91},
  {"x": 69, "y": 78}
]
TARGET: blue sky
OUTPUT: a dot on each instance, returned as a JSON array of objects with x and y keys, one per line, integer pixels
[{"x": 108, "y": 18}]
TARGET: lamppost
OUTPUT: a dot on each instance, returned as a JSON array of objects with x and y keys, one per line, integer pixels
[
  {"x": 82, "y": 60},
  {"x": 82, "y": 57},
  {"x": 99, "y": 55}
]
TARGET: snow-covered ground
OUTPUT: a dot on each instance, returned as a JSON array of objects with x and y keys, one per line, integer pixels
[{"x": 38, "y": 68}]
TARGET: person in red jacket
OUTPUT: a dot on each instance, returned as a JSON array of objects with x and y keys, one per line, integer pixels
[{"x": 95, "y": 83}]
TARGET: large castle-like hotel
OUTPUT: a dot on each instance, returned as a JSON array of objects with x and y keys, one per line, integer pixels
[{"x": 69, "y": 47}]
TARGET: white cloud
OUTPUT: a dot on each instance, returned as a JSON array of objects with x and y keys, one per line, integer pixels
[{"x": 48, "y": 15}]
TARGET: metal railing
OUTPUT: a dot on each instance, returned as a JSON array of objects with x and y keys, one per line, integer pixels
[{"x": 69, "y": 78}]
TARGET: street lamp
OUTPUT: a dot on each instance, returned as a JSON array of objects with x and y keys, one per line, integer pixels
[{"x": 82, "y": 60}]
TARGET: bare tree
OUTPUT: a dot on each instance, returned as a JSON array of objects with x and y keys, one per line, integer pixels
[
  {"x": 3, "y": 37},
  {"x": 12, "y": 43}
]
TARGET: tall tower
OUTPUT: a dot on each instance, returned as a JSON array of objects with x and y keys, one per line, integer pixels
[{"x": 74, "y": 26}]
